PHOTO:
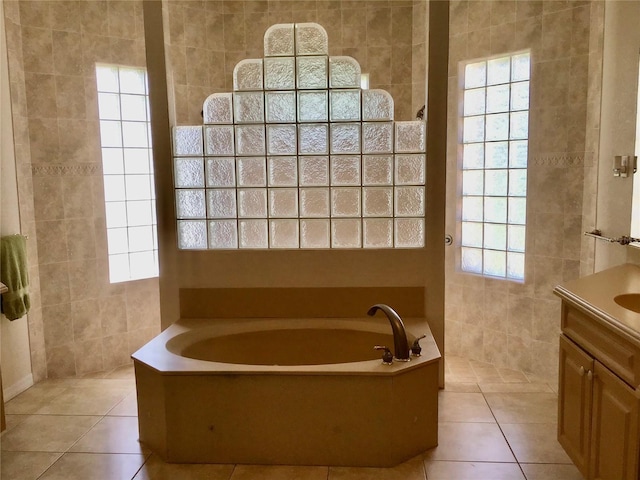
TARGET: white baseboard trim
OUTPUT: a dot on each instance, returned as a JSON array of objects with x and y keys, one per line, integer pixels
[{"x": 17, "y": 388}]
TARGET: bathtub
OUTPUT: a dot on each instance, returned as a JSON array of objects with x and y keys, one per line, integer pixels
[{"x": 286, "y": 391}]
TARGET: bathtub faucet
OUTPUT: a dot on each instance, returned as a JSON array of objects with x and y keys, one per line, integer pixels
[{"x": 400, "y": 344}]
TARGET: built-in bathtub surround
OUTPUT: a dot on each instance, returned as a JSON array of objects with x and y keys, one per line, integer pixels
[
  {"x": 297, "y": 401},
  {"x": 299, "y": 156}
]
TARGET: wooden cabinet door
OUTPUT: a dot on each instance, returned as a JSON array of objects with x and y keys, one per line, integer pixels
[
  {"x": 614, "y": 428},
  {"x": 574, "y": 402}
]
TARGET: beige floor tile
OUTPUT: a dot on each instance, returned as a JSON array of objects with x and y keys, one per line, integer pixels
[
  {"x": 460, "y": 377},
  {"x": 535, "y": 442},
  {"x": 128, "y": 407},
  {"x": 512, "y": 376},
  {"x": 470, "y": 442},
  {"x": 33, "y": 399},
  {"x": 459, "y": 370},
  {"x": 95, "y": 383},
  {"x": 486, "y": 372},
  {"x": 47, "y": 433},
  {"x": 86, "y": 466},
  {"x": 26, "y": 465},
  {"x": 523, "y": 407},
  {"x": 14, "y": 420},
  {"x": 278, "y": 472},
  {"x": 111, "y": 435},
  {"x": 463, "y": 407},
  {"x": 515, "y": 388},
  {"x": 537, "y": 471},
  {"x": 85, "y": 401},
  {"x": 155, "y": 469},
  {"x": 468, "y": 387},
  {"x": 410, "y": 470},
  {"x": 124, "y": 372},
  {"x": 551, "y": 380},
  {"x": 473, "y": 471}
]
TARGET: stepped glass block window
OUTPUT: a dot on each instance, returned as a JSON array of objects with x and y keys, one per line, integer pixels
[
  {"x": 494, "y": 166},
  {"x": 127, "y": 167},
  {"x": 299, "y": 156}
]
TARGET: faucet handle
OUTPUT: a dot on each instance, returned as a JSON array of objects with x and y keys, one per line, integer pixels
[
  {"x": 416, "y": 349},
  {"x": 387, "y": 356}
]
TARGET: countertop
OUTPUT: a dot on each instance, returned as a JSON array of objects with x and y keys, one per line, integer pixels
[{"x": 595, "y": 293}]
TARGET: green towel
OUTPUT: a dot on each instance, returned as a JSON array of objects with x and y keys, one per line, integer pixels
[{"x": 13, "y": 273}]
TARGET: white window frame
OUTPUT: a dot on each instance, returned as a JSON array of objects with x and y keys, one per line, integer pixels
[
  {"x": 125, "y": 128},
  {"x": 493, "y": 168}
]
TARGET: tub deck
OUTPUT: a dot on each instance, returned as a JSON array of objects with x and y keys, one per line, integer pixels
[{"x": 350, "y": 414}]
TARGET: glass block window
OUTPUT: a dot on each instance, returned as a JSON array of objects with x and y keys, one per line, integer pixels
[
  {"x": 299, "y": 155},
  {"x": 125, "y": 133},
  {"x": 494, "y": 166}
]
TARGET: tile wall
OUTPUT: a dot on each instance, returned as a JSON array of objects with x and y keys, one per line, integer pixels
[
  {"x": 25, "y": 186},
  {"x": 419, "y": 55},
  {"x": 87, "y": 324},
  {"x": 506, "y": 323},
  {"x": 207, "y": 39}
]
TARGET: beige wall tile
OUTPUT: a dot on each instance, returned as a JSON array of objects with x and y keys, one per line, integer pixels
[
  {"x": 528, "y": 8},
  {"x": 115, "y": 350},
  {"x": 83, "y": 283},
  {"x": 234, "y": 32},
  {"x": 43, "y": 138},
  {"x": 77, "y": 196},
  {"x": 67, "y": 52},
  {"x": 70, "y": 99},
  {"x": 113, "y": 315},
  {"x": 85, "y": 318},
  {"x": 378, "y": 27},
  {"x": 80, "y": 239},
  {"x": 76, "y": 140},
  {"x": 36, "y": 14},
  {"x": 546, "y": 322},
  {"x": 519, "y": 351},
  {"x": 54, "y": 283},
  {"x": 37, "y": 48},
  {"x": 556, "y": 33},
  {"x": 52, "y": 242},
  {"x": 88, "y": 356},
  {"x": 41, "y": 95},
  {"x": 121, "y": 16},
  {"x": 61, "y": 361},
  {"x": 58, "y": 326},
  {"x": 137, "y": 338}
]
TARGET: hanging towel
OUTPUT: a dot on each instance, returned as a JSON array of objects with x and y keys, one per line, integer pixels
[{"x": 13, "y": 273}]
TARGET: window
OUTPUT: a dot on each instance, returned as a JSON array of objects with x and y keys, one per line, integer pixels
[
  {"x": 299, "y": 156},
  {"x": 125, "y": 132},
  {"x": 494, "y": 166}
]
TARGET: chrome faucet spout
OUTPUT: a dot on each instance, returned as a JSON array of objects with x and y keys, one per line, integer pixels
[{"x": 400, "y": 343}]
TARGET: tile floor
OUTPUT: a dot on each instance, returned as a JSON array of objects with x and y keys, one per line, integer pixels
[{"x": 494, "y": 424}]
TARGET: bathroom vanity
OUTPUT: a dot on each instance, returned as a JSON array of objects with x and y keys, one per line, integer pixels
[{"x": 599, "y": 390}]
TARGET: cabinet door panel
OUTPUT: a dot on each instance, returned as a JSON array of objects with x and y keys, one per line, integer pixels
[
  {"x": 614, "y": 431},
  {"x": 574, "y": 402}
]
